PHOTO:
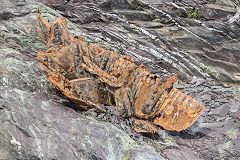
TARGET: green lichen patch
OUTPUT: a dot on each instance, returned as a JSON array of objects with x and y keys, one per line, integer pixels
[{"x": 193, "y": 13}]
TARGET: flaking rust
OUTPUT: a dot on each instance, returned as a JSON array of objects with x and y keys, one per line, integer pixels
[{"x": 92, "y": 77}]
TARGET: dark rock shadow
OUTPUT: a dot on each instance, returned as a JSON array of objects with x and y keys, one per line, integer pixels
[
  {"x": 63, "y": 100},
  {"x": 151, "y": 136},
  {"x": 72, "y": 105},
  {"x": 190, "y": 134}
]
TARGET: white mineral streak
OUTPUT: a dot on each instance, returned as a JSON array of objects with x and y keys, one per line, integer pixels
[
  {"x": 175, "y": 5},
  {"x": 236, "y": 17},
  {"x": 16, "y": 143}
]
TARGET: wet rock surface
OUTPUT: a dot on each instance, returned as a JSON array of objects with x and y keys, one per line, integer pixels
[{"x": 38, "y": 122}]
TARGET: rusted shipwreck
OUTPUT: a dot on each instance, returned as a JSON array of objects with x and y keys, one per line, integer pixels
[{"x": 92, "y": 77}]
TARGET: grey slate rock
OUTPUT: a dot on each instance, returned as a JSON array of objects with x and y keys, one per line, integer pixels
[
  {"x": 222, "y": 110},
  {"x": 35, "y": 116}
]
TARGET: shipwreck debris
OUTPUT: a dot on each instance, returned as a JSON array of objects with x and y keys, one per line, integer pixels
[{"x": 92, "y": 77}]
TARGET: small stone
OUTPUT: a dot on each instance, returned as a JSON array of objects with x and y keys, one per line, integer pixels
[
  {"x": 200, "y": 88},
  {"x": 206, "y": 97},
  {"x": 222, "y": 110},
  {"x": 101, "y": 115},
  {"x": 235, "y": 106},
  {"x": 217, "y": 104},
  {"x": 178, "y": 86},
  {"x": 122, "y": 126},
  {"x": 221, "y": 89},
  {"x": 197, "y": 81},
  {"x": 219, "y": 126},
  {"x": 237, "y": 115},
  {"x": 220, "y": 119},
  {"x": 228, "y": 95},
  {"x": 206, "y": 89},
  {"x": 161, "y": 132},
  {"x": 222, "y": 100},
  {"x": 210, "y": 80},
  {"x": 94, "y": 114},
  {"x": 93, "y": 157},
  {"x": 216, "y": 87}
]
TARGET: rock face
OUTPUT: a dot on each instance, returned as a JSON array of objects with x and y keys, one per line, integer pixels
[
  {"x": 163, "y": 34},
  {"x": 37, "y": 122},
  {"x": 35, "y": 125}
]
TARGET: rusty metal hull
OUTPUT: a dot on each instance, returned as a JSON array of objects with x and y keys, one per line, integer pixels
[{"x": 92, "y": 76}]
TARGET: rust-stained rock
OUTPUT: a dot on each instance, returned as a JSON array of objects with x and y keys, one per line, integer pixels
[{"x": 92, "y": 76}]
